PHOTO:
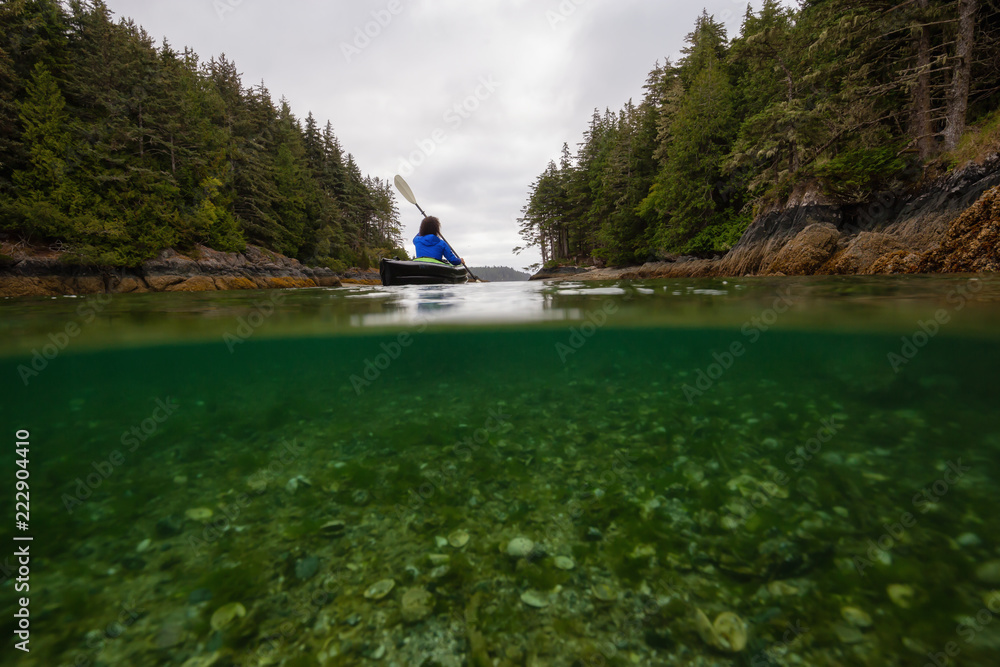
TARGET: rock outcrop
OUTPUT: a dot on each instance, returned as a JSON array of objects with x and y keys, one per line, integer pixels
[
  {"x": 47, "y": 273},
  {"x": 808, "y": 251},
  {"x": 951, "y": 225},
  {"x": 972, "y": 243}
]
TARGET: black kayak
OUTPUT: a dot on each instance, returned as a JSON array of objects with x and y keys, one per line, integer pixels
[{"x": 421, "y": 272}]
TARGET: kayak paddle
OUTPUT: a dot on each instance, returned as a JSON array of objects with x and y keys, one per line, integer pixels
[{"x": 407, "y": 193}]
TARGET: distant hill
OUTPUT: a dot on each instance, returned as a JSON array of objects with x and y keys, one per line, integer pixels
[{"x": 499, "y": 274}]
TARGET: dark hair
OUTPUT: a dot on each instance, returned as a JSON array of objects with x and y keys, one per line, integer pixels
[{"x": 430, "y": 225}]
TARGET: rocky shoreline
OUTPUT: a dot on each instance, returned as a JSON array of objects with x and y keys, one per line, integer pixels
[
  {"x": 47, "y": 273},
  {"x": 950, "y": 226}
]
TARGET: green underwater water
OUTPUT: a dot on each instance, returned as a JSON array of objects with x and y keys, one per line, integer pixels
[{"x": 704, "y": 458}]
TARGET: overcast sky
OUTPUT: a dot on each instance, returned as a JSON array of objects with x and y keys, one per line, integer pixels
[{"x": 468, "y": 100}]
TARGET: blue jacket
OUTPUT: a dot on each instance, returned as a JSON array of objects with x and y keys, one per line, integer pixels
[{"x": 434, "y": 247}]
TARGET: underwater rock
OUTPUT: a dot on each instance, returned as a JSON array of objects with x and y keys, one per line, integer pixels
[
  {"x": 333, "y": 528},
  {"x": 360, "y": 497},
  {"x": 781, "y": 589},
  {"x": 171, "y": 633},
  {"x": 564, "y": 563},
  {"x": 380, "y": 589},
  {"x": 856, "y": 617},
  {"x": 593, "y": 535},
  {"x": 604, "y": 593},
  {"x": 901, "y": 595},
  {"x": 989, "y": 572},
  {"x": 969, "y": 540},
  {"x": 416, "y": 605},
  {"x": 144, "y": 546},
  {"x": 535, "y": 599},
  {"x": 520, "y": 547},
  {"x": 257, "y": 483},
  {"x": 848, "y": 635},
  {"x": 648, "y": 508},
  {"x": 693, "y": 472},
  {"x": 458, "y": 539},
  {"x": 728, "y": 633},
  {"x": 439, "y": 559},
  {"x": 306, "y": 568},
  {"x": 225, "y": 615},
  {"x": 201, "y": 514},
  {"x": 642, "y": 551}
]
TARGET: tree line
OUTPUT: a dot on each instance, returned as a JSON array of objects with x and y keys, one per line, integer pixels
[
  {"x": 858, "y": 96},
  {"x": 113, "y": 148}
]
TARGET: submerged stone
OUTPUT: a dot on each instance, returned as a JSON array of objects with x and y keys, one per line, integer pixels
[
  {"x": 225, "y": 615},
  {"x": 727, "y": 633},
  {"x": 306, "y": 568},
  {"x": 535, "y": 599},
  {"x": 416, "y": 605},
  {"x": 564, "y": 563},
  {"x": 901, "y": 595},
  {"x": 458, "y": 539},
  {"x": 989, "y": 572},
  {"x": 519, "y": 547},
  {"x": 380, "y": 589},
  {"x": 202, "y": 514},
  {"x": 856, "y": 617},
  {"x": 604, "y": 593}
]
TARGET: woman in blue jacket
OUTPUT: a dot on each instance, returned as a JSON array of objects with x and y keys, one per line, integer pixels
[{"x": 429, "y": 243}]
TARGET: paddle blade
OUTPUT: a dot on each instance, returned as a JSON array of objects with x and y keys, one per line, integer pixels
[{"x": 405, "y": 190}]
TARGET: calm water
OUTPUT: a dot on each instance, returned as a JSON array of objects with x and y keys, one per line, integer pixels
[{"x": 743, "y": 472}]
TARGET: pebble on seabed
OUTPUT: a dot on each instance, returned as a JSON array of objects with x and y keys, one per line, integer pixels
[
  {"x": 380, "y": 589},
  {"x": 901, "y": 595},
  {"x": 519, "y": 547},
  {"x": 458, "y": 539},
  {"x": 199, "y": 514},
  {"x": 564, "y": 563},
  {"x": 225, "y": 615},
  {"x": 533, "y": 598},
  {"x": 989, "y": 572},
  {"x": 856, "y": 617}
]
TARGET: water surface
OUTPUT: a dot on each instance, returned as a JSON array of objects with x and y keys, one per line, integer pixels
[{"x": 811, "y": 461}]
